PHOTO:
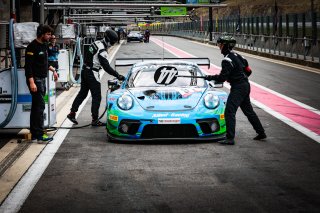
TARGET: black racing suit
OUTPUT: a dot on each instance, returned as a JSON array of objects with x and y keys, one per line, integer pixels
[
  {"x": 90, "y": 78},
  {"x": 147, "y": 35},
  {"x": 232, "y": 71},
  {"x": 36, "y": 67}
]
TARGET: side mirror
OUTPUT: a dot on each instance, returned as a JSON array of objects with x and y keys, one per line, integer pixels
[{"x": 113, "y": 85}]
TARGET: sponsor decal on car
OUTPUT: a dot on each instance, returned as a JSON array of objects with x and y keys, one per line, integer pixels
[
  {"x": 162, "y": 115},
  {"x": 182, "y": 115},
  {"x": 159, "y": 115},
  {"x": 113, "y": 117}
]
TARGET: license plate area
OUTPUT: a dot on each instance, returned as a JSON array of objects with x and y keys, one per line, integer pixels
[{"x": 169, "y": 121}]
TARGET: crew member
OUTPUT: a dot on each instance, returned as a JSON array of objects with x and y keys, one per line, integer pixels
[
  {"x": 90, "y": 79},
  {"x": 233, "y": 71},
  {"x": 36, "y": 71},
  {"x": 147, "y": 35},
  {"x": 53, "y": 52}
]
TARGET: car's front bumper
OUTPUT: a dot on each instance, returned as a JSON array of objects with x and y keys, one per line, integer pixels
[
  {"x": 134, "y": 39},
  {"x": 202, "y": 128},
  {"x": 212, "y": 138}
]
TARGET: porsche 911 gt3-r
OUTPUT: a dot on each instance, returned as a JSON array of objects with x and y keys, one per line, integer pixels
[{"x": 165, "y": 99}]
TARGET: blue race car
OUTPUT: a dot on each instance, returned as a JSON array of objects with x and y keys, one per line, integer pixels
[{"x": 165, "y": 99}]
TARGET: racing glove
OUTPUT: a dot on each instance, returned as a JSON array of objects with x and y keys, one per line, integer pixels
[
  {"x": 120, "y": 77},
  {"x": 209, "y": 77}
]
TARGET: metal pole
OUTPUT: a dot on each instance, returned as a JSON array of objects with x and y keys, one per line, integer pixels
[
  {"x": 210, "y": 28},
  {"x": 314, "y": 24},
  {"x": 13, "y": 9},
  {"x": 42, "y": 12}
]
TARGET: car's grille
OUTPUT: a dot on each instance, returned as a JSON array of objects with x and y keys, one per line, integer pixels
[{"x": 169, "y": 131}]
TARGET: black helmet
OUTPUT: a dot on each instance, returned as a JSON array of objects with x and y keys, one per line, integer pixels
[
  {"x": 110, "y": 36},
  {"x": 228, "y": 41}
]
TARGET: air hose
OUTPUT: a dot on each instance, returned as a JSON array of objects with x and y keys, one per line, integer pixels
[
  {"x": 76, "y": 52},
  {"x": 76, "y": 127},
  {"x": 14, "y": 79}
]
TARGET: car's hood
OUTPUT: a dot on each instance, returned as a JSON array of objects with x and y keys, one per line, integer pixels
[{"x": 169, "y": 98}]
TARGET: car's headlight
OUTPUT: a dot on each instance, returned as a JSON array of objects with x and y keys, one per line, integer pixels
[
  {"x": 211, "y": 101},
  {"x": 125, "y": 102}
]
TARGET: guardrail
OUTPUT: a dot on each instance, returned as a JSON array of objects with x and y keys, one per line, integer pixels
[{"x": 297, "y": 49}]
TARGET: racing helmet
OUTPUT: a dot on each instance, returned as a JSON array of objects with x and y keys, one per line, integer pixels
[
  {"x": 110, "y": 36},
  {"x": 228, "y": 41}
]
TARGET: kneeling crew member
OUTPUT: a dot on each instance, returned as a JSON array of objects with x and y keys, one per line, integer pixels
[
  {"x": 90, "y": 79},
  {"x": 233, "y": 71}
]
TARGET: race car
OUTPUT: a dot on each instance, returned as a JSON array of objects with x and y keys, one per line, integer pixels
[
  {"x": 165, "y": 99},
  {"x": 135, "y": 36}
]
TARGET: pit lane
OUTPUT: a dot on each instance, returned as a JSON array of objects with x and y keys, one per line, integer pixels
[{"x": 281, "y": 174}]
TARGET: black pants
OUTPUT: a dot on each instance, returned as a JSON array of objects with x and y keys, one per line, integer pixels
[
  {"x": 37, "y": 107},
  {"x": 88, "y": 82},
  {"x": 147, "y": 38},
  {"x": 240, "y": 96}
]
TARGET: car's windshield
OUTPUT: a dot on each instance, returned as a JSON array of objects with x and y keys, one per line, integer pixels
[
  {"x": 134, "y": 32},
  {"x": 166, "y": 75}
]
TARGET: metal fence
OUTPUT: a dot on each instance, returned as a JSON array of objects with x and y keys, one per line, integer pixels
[{"x": 294, "y": 36}]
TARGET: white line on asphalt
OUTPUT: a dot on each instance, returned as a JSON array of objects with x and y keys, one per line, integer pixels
[
  {"x": 288, "y": 121},
  {"x": 288, "y": 98},
  {"x": 21, "y": 191}
]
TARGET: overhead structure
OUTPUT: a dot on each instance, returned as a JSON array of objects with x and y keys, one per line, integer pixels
[
  {"x": 109, "y": 5},
  {"x": 127, "y": 12},
  {"x": 128, "y": 16}
]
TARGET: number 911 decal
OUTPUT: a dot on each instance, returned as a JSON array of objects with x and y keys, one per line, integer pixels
[{"x": 165, "y": 75}]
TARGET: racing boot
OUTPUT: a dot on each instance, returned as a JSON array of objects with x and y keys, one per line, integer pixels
[
  {"x": 227, "y": 141},
  {"x": 260, "y": 136},
  {"x": 96, "y": 122},
  {"x": 72, "y": 117}
]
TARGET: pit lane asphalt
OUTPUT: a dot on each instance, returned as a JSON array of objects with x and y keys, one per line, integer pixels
[{"x": 88, "y": 174}]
